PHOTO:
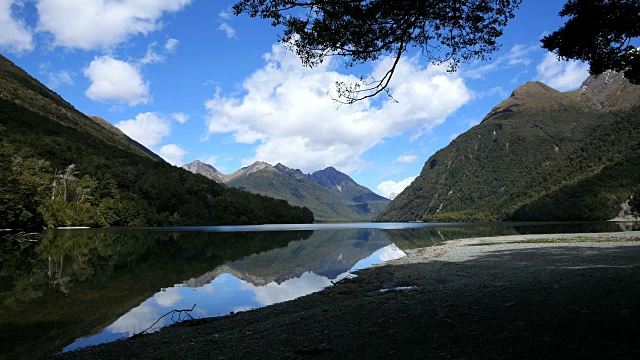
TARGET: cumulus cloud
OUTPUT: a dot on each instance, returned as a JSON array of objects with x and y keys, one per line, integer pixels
[
  {"x": 15, "y": 36},
  {"x": 227, "y": 30},
  {"x": 180, "y": 117},
  {"x": 116, "y": 80},
  {"x": 406, "y": 158},
  {"x": 390, "y": 187},
  {"x": 287, "y": 112},
  {"x": 560, "y": 74},
  {"x": 147, "y": 128},
  {"x": 173, "y": 154},
  {"x": 101, "y": 23}
]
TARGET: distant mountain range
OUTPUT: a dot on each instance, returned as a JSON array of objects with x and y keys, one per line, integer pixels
[
  {"x": 539, "y": 155},
  {"x": 329, "y": 193},
  {"x": 59, "y": 167}
]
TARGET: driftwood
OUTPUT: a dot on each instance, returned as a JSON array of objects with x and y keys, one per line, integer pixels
[
  {"x": 173, "y": 314},
  {"x": 24, "y": 237}
]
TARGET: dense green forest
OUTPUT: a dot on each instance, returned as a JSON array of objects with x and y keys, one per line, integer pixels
[
  {"x": 540, "y": 155},
  {"x": 59, "y": 167},
  {"x": 54, "y": 175}
]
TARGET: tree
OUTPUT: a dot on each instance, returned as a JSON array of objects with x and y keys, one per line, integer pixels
[
  {"x": 600, "y": 32},
  {"x": 446, "y": 31}
]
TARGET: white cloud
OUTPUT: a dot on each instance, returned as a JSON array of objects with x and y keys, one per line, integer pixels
[
  {"x": 171, "y": 45},
  {"x": 211, "y": 160},
  {"x": 562, "y": 75},
  {"x": 152, "y": 57},
  {"x": 55, "y": 79},
  {"x": 519, "y": 54},
  {"x": 286, "y": 110},
  {"x": 273, "y": 292},
  {"x": 137, "y": 320},
  {"x": 390, "y": 252},
  {"x": 15, "y": 36},
  {"x": 59, "y": 78},
  {"x": 390, "y": 187},
  {"x": 90, "y": 24},
  {"x": 225, "y": 14},
  {"x": 168, "y": 297},
  {"x": 147, "y": 128},
  {"x": 116, "y": 80},
  {"x": 180, "y": 117},
  {"x": 173, "y": 154},
  {"x": 228, "y": 30},
  {"x": 406, "y": 158}
]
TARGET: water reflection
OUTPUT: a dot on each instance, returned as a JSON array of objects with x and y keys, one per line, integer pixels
[
  {"x": 258, "y": 280},
  {"x": 84, "y": 287}
]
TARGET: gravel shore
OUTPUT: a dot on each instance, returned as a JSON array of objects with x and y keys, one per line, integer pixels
[{"x": 513, "y": 297}]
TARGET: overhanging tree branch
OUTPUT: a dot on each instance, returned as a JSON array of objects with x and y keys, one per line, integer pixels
[{"x": 361, "y": 31}]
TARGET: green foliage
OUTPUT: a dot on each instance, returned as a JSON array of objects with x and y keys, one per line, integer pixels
[
  {"x": 87, "y": 182},
  {"x": 568, "y": 163},
  {"x": 599, "y": 32},
  {"x": 461, "y": 216},
  {"x": 366, "y": 30},
  {"x": 610, "y": 161}
]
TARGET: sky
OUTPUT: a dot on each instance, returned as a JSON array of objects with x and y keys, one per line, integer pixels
[{"x": 191, "y": 81}]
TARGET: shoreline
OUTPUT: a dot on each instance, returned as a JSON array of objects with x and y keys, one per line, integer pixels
[{"x": 525, "y": 296}]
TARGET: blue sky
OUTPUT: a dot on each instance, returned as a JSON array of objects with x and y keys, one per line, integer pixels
[{"x": 190, "y": 80}]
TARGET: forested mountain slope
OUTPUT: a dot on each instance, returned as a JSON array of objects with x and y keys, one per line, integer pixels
[
  {"x": 59, "y": 167},
  {"x": 329, "y": 193},
  {"x": 539, "y": 155}
]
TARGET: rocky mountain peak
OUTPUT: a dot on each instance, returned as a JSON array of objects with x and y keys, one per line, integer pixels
[
  {"x": 199, "y": 167},
  {"x": 610, "y": 91}
]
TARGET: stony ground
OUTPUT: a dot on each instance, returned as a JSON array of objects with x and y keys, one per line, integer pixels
[{"x": 517, "y": 297}]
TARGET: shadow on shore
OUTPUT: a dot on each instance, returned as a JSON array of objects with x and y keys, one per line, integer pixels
[{"x": 535, "y": 303}]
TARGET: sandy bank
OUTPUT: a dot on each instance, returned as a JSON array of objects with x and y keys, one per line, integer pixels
[{"x": 514, "y": 297}]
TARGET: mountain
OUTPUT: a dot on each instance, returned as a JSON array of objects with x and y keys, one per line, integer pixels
[
  {"x": 107, "y": 125},
  {"x": 539, "y": 155},
  {"x": 59, "y": 167},
  {"x": 359, "y": 198},
  {"x": 329, "y": 193},
  {"x": 198, "y": 167}
]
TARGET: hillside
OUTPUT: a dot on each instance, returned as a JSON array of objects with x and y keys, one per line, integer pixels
[
  {"x": 539, "y": 155},
  {"x": 59, "y": 167},
  {"x": 329, "y": 193},
  {"x": 359, "y": 198}
]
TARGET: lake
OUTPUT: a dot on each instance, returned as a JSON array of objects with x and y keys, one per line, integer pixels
[{"x": 82, "y": 287}]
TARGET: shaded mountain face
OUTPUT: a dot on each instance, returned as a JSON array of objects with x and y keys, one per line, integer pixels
[
  {"x": 539, "y": 155},
  {"x": 59, "y": 167},
  {"x": 329, "y": 193}
]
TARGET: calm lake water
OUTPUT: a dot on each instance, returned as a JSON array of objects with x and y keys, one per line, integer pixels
[{"x": 82, "y": 287}]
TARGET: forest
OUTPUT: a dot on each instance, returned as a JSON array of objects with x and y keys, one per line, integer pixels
[{"x": 53, "y": 175}]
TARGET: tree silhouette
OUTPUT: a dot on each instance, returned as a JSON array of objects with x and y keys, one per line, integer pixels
[
  {"x": 600, "y": 33},
  {"x": 447, "y": 32}
]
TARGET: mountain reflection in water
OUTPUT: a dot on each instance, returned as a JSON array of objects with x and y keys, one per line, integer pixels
[
  {"x": 80, "y": 287},
  {"x": 300, "y": 268}
]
